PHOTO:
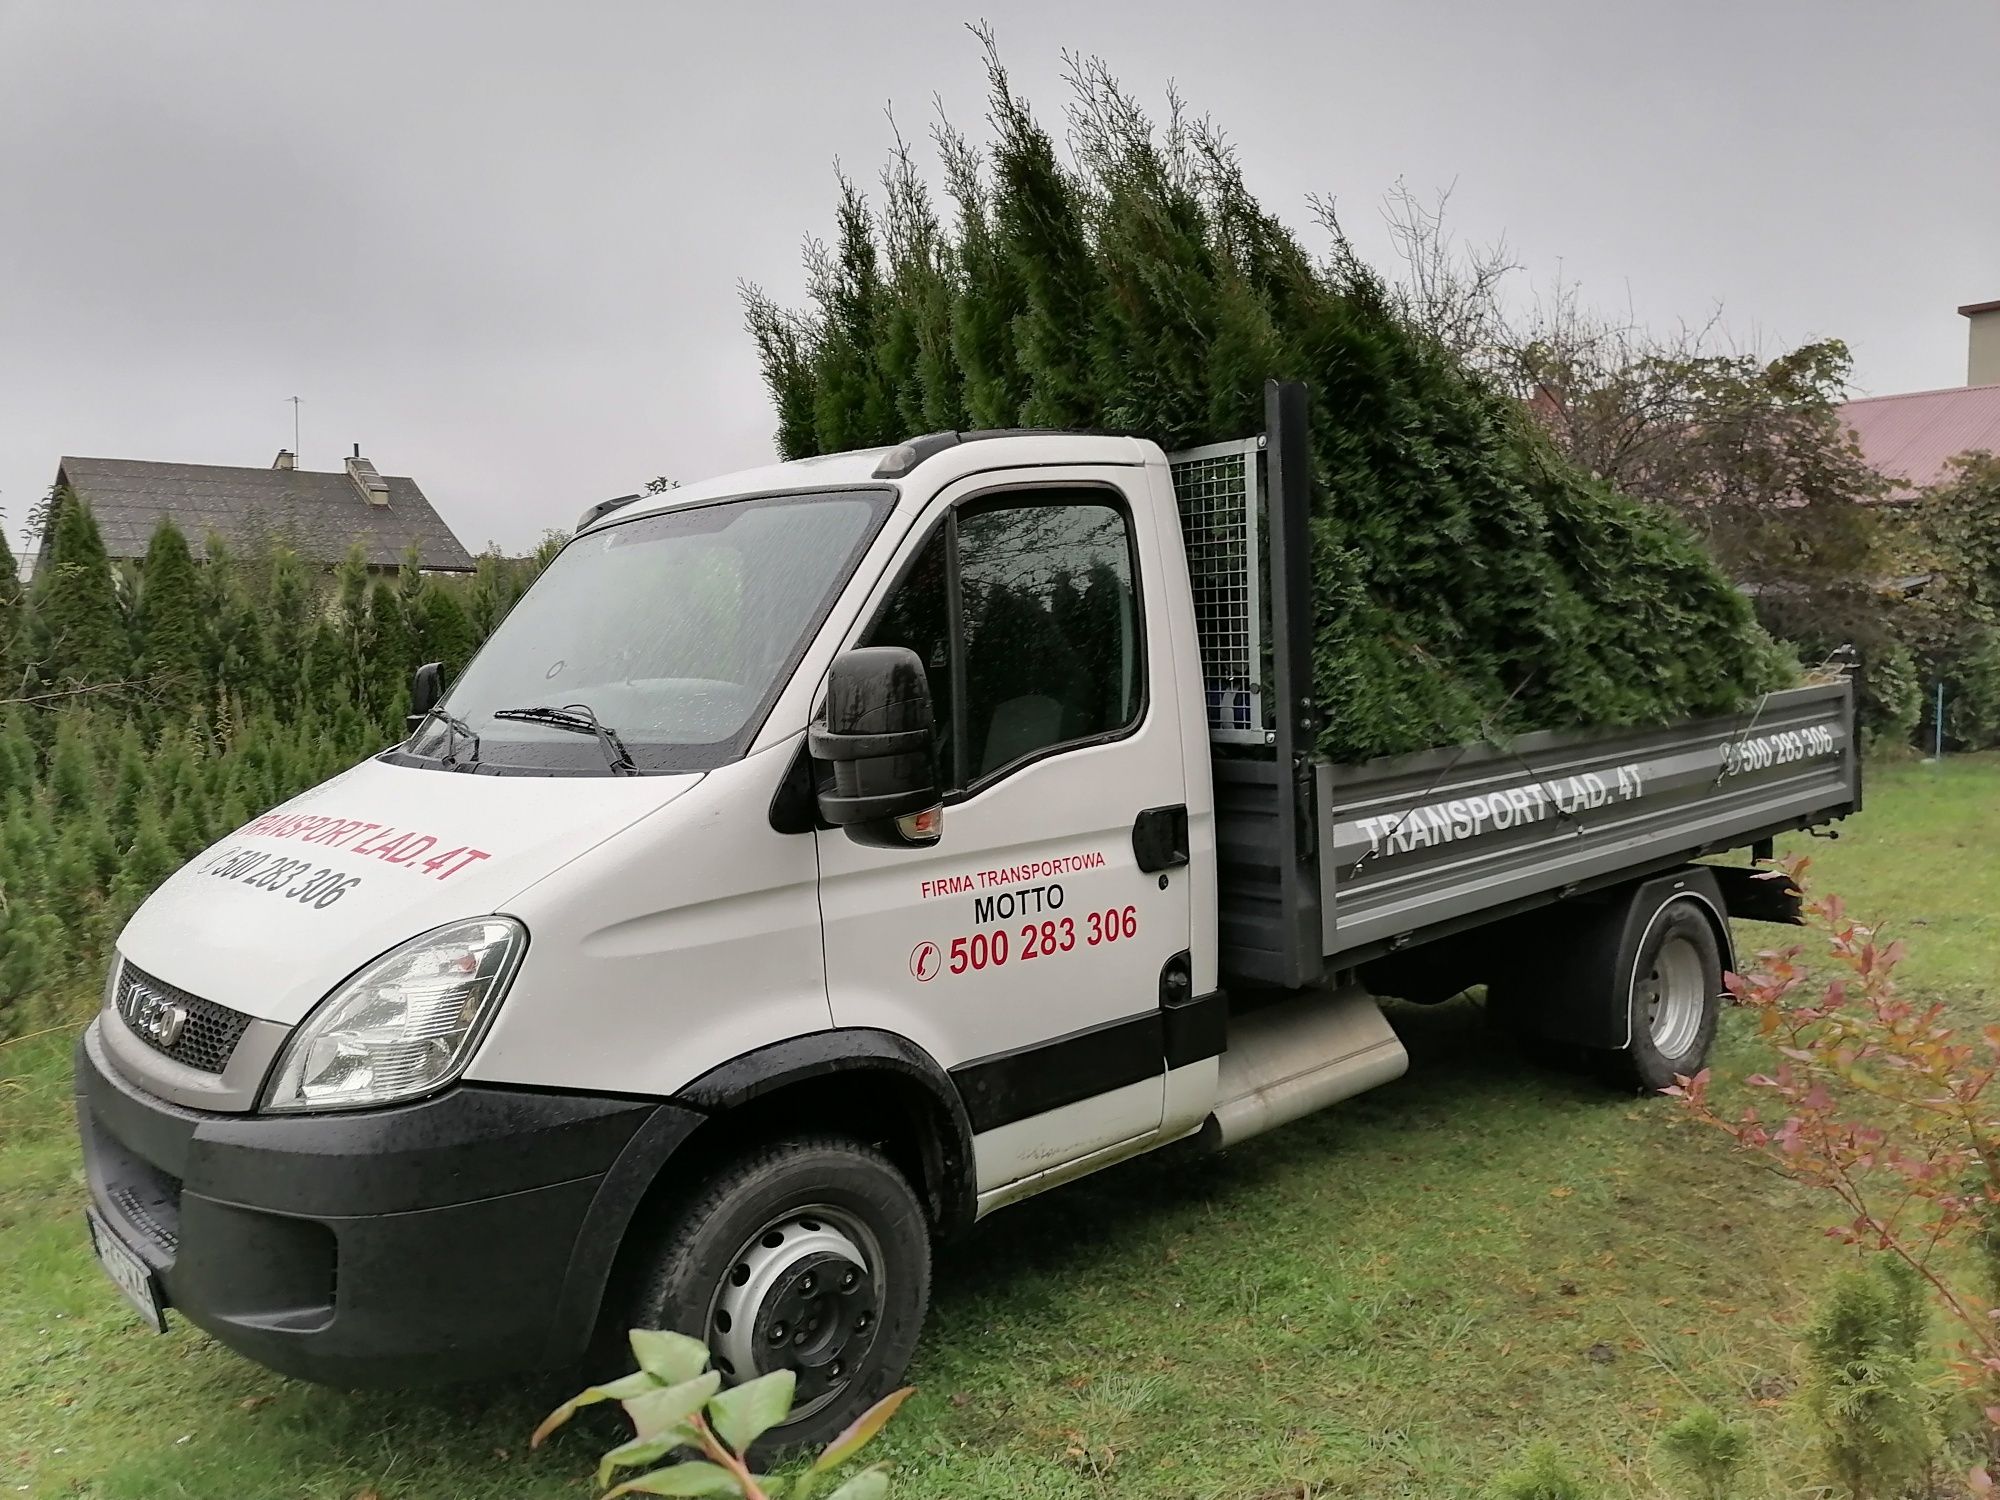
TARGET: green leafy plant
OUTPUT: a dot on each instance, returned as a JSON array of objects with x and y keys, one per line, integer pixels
[
  {"x": 1892, "y": 696},
  {"x": 676, "y": 1403},
  {"x": 1876, "y": 1101},
  {"x": 1706, "y": 1451},
  {"x": 1972, "y": 693}
]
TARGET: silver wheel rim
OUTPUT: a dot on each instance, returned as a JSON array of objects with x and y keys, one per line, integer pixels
[
  {"x": 1675, "y": 996},
  {"x": 802, "y": 1294}
]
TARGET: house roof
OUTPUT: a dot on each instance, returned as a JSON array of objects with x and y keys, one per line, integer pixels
[
  {"x": 1913, "y": 438},
  {"x": 318, "y": 515}
]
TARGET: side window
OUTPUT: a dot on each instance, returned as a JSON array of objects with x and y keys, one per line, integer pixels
[
  {"x": 1046, "y": 647},
  {"x": 918, "y": 615},
  {"x": 1050, "y": 621}
]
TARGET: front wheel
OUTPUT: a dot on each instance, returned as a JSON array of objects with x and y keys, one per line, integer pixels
[
  {"x": 1673, "y": 1001},
  {"x": 811, "y": 1255}
]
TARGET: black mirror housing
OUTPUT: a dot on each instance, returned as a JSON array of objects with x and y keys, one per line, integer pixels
[
  {"x": 426, "y": 688},
  {"x": 876, "y": 734}
]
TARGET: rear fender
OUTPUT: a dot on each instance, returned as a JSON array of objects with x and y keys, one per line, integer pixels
[{"x": 1579, "y": 955}]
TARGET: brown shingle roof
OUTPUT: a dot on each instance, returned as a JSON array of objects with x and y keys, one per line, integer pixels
[{"x": 318, "y": 515}]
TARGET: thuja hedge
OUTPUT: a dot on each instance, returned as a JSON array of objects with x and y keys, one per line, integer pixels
[
  {"x": 147, "y": 710},
  {"x": 1469, "y": 582}
]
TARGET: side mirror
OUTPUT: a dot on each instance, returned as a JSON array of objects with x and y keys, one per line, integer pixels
[
  {"x": 426, "y": 687},
  {"x": 876, "y": 734}
]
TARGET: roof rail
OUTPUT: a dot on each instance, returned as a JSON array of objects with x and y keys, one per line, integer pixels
[
  {"x": 905, "y": 456},
  {"x": 595, "y": 513}
]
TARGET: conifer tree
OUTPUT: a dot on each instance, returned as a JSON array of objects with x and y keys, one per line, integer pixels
[
  {"x": 853, "y": 407},
  {"x": 328, "y": 671},
  {"x": 289, "y": 631},
  {"x": 1039, "y": 217},
  {"x": 72, "y": 875},
  {"x": 184, "y": 834},
  {"x": 131, "y": 788},
  {"x": 26, "y": 842},
  {"x": 72, "y": 768},
  {"x": 30, "y": 942},
  {"x": 986, "y": 298},
  {"x": 101, "y": 845},
  {"x": 551, "y": 543},
  {"x": 412, "y": 598},
  {"x": 1468, "y": 581},
  {"x": 220, "y": 586},
  {"x": 491, "y": 594},
  {"x": 149, "y": 859},
  {"x": 12, "y": 606},
  {"x": 447, "y": 636},
  {"x": 351, "y": 590},
  {"x": 171, "y": 622},
  {"x": 785, "y": 345},
  {"x": 79, "y": 628},
  {"x": 173, "y": 769},
  {"x": 17, "y": 761},
  {"x": 239, "y": 650},
  {"x": 915, "y": 353},
  {"x": 390, "y": 649}
]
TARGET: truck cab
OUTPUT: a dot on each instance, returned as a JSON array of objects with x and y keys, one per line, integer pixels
[
  {"x": 821, "y": 857},
  {"x": 396, "y": 1081}
]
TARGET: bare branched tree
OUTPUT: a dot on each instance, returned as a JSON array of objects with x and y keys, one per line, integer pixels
[
  {"x": 1448, "y": 287},
  {"x": 1750, "y": 450}
]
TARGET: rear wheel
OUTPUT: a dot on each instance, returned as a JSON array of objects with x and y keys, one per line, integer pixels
[
  {"x": 811, "y": 1255},
  {"x": 1673, "y": 1000}
]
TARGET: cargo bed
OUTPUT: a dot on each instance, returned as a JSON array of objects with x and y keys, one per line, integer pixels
[
  {"x": 1324, "y": 866},
  {"x": 1410, "y": 848}
]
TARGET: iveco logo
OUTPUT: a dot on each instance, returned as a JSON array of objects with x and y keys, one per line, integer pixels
[{"x": 153, "y": 1015}]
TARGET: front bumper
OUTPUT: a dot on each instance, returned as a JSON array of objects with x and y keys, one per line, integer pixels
[{"x": 469, "y": 1234}]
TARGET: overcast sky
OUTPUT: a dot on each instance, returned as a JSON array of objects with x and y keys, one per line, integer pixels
[{"x": 497, "y": 244}]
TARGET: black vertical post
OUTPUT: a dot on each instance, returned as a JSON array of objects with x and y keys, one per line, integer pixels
[{"x": 1288, "y": 501}]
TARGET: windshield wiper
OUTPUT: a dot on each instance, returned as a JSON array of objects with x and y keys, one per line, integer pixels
[
  {"x": 454, "y": 727},
  {"x": 578, "y": 718}
]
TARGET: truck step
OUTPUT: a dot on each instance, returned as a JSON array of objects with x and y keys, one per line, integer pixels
[{"x": 1299, "y": 1055}]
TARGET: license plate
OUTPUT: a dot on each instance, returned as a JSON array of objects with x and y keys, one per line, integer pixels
[{"x": 127, "y": 1272}]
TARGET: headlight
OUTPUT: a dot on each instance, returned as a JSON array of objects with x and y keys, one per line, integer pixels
[{"x": 405, "y": 1025}]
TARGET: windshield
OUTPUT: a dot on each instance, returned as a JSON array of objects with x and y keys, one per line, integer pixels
[{"x": 674, "y": 631}]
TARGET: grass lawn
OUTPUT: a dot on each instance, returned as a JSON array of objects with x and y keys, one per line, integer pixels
[{"x": 1391, "y": 1298}]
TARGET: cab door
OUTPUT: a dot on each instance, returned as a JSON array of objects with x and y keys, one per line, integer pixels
[{"x": 1025, "y": 950}]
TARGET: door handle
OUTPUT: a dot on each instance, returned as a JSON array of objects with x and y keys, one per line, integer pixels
[{"x": 1160, "y": 838}]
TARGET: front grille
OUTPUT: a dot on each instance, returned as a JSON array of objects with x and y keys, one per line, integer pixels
[{"x": 195, "y": 1032}]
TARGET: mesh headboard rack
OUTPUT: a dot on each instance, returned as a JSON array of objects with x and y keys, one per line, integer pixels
[{"x": 1220, "y": 489}]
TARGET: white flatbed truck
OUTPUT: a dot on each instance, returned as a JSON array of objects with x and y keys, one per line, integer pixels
[{"x": 821, "y": 857}]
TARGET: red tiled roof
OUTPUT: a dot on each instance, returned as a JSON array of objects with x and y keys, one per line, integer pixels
[{"x": 1912, "y": 439}]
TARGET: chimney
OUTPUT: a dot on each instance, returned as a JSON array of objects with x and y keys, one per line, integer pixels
[
  {"x": 374, "y": 488},
  {"x": 1982, "y": 360},
  {"x": 286, "y": 459}
]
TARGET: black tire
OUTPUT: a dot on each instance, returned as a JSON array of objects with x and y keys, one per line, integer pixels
[
  {"x": 862, "y": 1334},
  {"x": 1678, "y": 945}
]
